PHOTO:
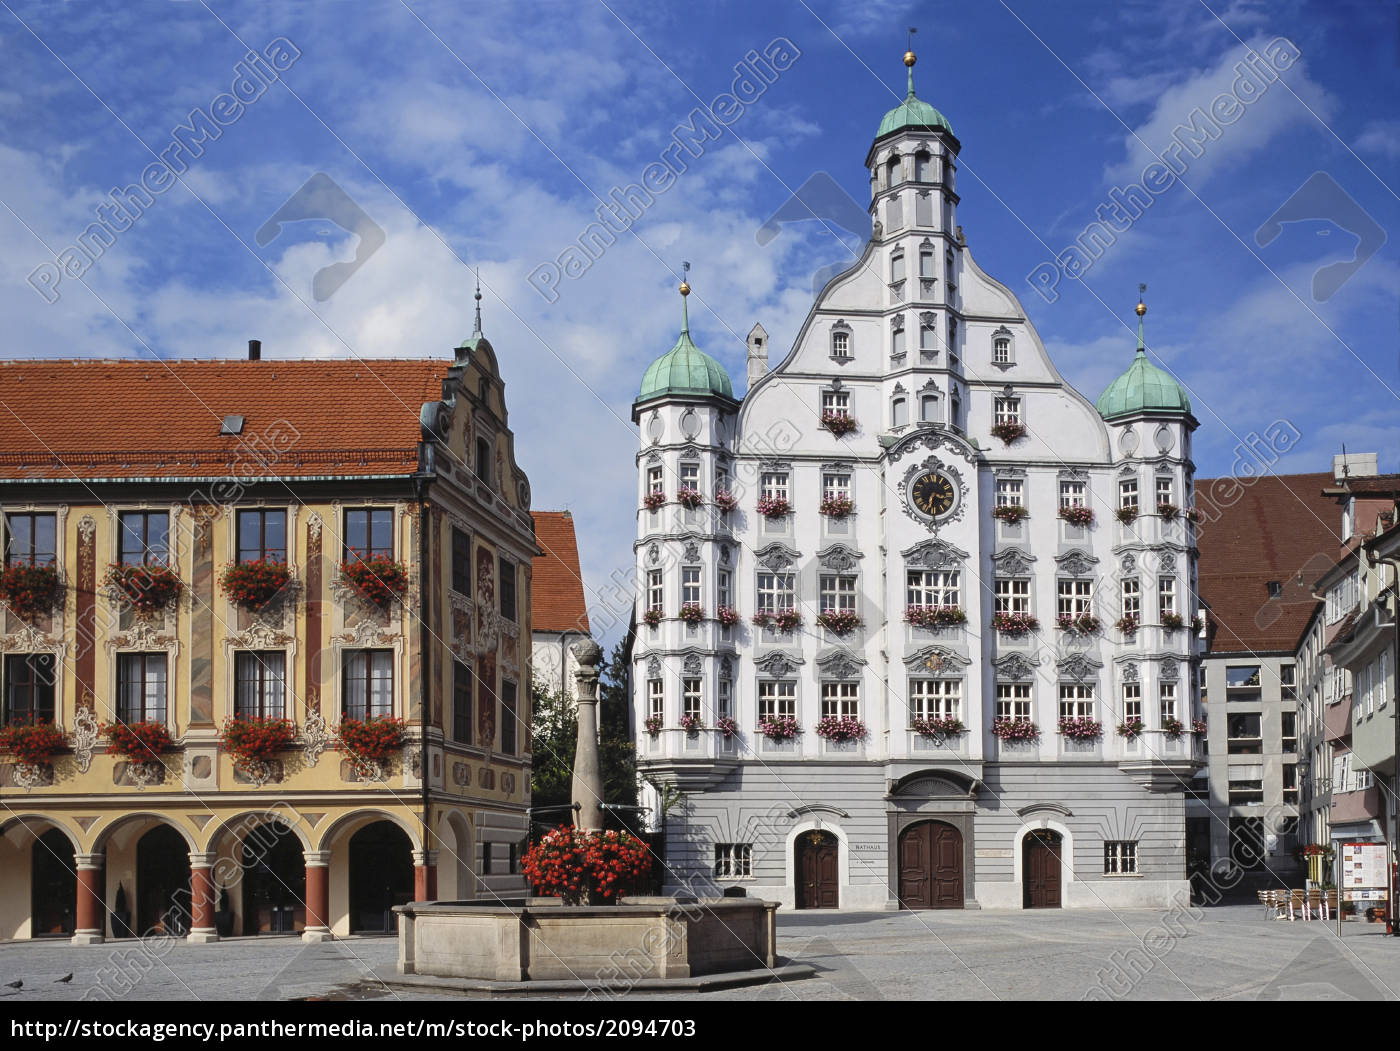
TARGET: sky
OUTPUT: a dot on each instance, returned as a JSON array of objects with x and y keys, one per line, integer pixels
[{"x": 450, "y": 136}]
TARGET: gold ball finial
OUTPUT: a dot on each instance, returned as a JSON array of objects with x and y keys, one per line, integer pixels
[
  {"x": 1141, "y": 308},
  {"x": 685, "y": 288},
  {"x": 909, "y": 58}
]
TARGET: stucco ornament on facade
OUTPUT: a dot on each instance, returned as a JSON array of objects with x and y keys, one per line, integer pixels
[
  {"x": 85, "y": 734},
  {"x": 778, "y": 665}
]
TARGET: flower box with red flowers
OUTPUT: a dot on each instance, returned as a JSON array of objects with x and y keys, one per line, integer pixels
[
  {"x": 692, "y": 724},
  {"x": 839, "y": 621},
  {"x": 1131, "y": 728},
  {"x": 837, "y": 506},
  {"x": 727, "y": 615},
  {"x": 1011, "y": 513},
  {"x": 370, "y": 742},
  {"x": 1173, "y": 728},
  {"x": 727, "y": 726},
  {"x": 653, "y": 500},
  {"x": 30, "y": 589},
  {"x": 934, "y": 616},
  {"x": 34, "y": 743},
  {"x": 1127, "y": 515},
  {"x": 774, "y": 506},
  {"x": 1167, "y": 511},
  {"x": 146, "y": 588},
  {"x": 139, "y": 742},
  {"x": 1081, "y": 728},
  {"x": 653, "y": 724},
  {"x": 692, "y": 613},
  {"x": 688, "y": 497},
  {"x": 253, "y": 585},
  {"x": 1008, "y": 432},
  {"x": 1078, "y": 515},
  {"x": 1127, "y": 624},
  {"x": 1078, "y": 623},
  {"x": 725, "y": 500},
  {"x": 778, "y": 727},
  {"x": 1198, "y": 727},
  {"x": 1172, "y": 621},
  {"x": 838, "y": 423},
  {"x": 379, "y": 578},
  {"x": 1005, "y": 729},
  {"x": 651, "y": 618},
  {"x": 840, "y": 728},
  {"x": 938, "y": 726},
  {"x": 779, "y": 620},
  {"x": 592, "y": 867},
  {"x": 1014, "y": 623},
  {"x": 1191, "y": 515},
  {"x": 256, "y": 740}
]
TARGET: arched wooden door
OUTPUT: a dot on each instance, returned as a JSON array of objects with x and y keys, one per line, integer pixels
[
  {"x": 53, "y": 880},
  {"x": 1040, "y": 869},
  {"x": 817, "y": 866},
  {"x": 381, "y": 876},
  {"x": 162, "y": 882},
  {"x": 274, "y": 881},
  {"x": 930, "y": 862}
]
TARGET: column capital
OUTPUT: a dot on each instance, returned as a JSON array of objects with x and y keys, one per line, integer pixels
[
  {"x": 89, "y": 861},
  {"x": 203, "y": 859},
  {"x": 317, "y": 859},
  {"x": 423, "y": 858}
]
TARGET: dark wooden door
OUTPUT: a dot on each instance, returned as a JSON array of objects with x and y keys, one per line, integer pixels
[
  {"x": 947, "y": 866},
  {"x": 1041, "y": 870},
  {"x": 818, "y": 871},
  {"x": 931, "y": 866},
  {"x": 381, "y": 876},
  {"x": 274, "y": 881},
  {"x": 54, "y": 879},
  {"x": 163, "y": 882}
]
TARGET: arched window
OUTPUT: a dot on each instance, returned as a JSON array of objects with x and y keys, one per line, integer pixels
[
  {"x": 923, "y": 167},
  {"x": 955, "y": 410},
  {"x": 1001, "y": 350},
  {"x": 928, "y": 339},
  {"x": 892, "y": 170},
  {"x": 897, "y": 266},
  {"x": 483, "y": 461},
  {"x": 897, "y": 342},
  {"x": 899, "y": 412},
  {"x": 928, "y": 408}
]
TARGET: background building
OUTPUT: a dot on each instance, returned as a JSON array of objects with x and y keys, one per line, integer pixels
[
  {"x": 198, "y": 466},
  {"x": 560, "y": 611},
  {"x": 880, "y": 477}
]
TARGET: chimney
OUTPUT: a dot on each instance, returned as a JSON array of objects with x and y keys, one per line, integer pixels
[
  {"x": 758, "y": 354},
  {"x": 255, "y": 350},
  {"x": 1355, "y": 465}
]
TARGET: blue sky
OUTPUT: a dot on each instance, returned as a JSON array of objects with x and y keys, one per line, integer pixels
[{"x": 479, "y": 134}]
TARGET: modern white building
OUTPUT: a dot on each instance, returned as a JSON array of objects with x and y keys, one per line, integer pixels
[{"x": 926, "y": 475}]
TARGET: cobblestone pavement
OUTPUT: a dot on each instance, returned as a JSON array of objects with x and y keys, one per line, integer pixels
[{"x": 1228, "y": 952}]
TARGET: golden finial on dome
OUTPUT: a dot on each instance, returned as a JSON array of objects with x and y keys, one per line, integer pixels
[
  {"x": 910, "y": 58},
  {"x": 685, "y": 288}
]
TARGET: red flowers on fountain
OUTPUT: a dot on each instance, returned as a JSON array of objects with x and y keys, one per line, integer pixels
[
  {"x": 253, "y": 585},
  {"x": 378, "y": 578},
  {"x": 30, "y": 589},
  {"x": 139, "y": 742},
  {"x": 147, "y": 587},
  {"x": 598, "y": 867},
  {"x": 34, "y": 744},
  {"x": 256, "y": 740},
  {"x": 368, "y": 743}
]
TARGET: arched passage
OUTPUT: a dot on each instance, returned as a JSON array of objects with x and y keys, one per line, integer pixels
[
  {"x": 381, "y": 876},
  {"x": 274, "y": 880},
  {"x": 162, "y": 882},
  {"x": 53, "y": 881}
]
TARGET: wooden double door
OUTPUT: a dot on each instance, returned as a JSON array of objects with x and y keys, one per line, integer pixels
[
  {"x": 818, "y": 870},
  {"x": 931, "y": 866},
  {"x": 1040, "y": 869}
]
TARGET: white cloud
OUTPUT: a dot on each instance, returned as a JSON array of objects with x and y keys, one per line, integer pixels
[{"x": 1380, "y": 136}]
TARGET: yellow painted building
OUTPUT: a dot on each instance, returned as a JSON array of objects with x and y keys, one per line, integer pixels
[{"x": 200, "y": 466}]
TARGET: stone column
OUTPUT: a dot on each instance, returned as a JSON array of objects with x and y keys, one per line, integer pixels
[
  {"x": 202, "y": 903},
  {"x": 425, "y": 864},
  {"x": 588, "y": 773},
  {"x": 318, "y": 896},
  {"x": 91, "y": 923}
]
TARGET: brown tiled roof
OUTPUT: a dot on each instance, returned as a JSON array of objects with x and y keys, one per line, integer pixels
[
  {"x": 556, "y": 586},
  {"x": 132, "y": 418},
  {"x": 1374, "y": 484},
  {"x": 1271, "y": 529}
]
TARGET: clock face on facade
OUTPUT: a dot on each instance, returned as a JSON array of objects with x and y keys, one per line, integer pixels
[{"x": 933, "y": 494}]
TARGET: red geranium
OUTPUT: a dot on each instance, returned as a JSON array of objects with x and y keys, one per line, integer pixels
[
  {"x": 378, "y": 578},
  {"x": 139, "y": 742},
  {"x": 370, "y": 742},
  {"x": 254, "y": 584},
  {"x": 256, "y": 740},
  {"x": 147, "y": 587},
  {"x": 29, "y": 589},
  {"x": 573, "y": 865},
  {"x": 34, "y": 744}
]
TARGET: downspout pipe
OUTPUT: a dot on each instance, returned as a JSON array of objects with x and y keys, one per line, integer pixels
[{"x": 420, "y": 492}]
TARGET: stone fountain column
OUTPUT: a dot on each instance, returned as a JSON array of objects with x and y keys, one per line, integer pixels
[{"x": 588, "y": 773}]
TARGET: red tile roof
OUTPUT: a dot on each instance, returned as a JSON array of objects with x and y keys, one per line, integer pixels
[
  {"x": 1252, "y": 532},
  {"x": 556, "y": 587},
  {"x": 132, "y": 418}
]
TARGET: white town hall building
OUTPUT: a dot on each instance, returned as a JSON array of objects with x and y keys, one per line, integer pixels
[{"x": 915, "y": 628}]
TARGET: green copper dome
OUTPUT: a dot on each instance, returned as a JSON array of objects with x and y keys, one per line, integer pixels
[
  {"x": 685, "y": 369},
  {"x": 1143, "y": 387},
  {"x": 913, "y": 112}
]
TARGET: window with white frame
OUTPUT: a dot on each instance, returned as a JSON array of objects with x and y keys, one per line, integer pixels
[
  {"x": 933, "y": 587},
  {"x": 724, "y": 699},
  {"x": 836, "y": 485},
  {"x": 897, "y": 266},
  {"x": 690, "y": 584},
  {"x": 841, "y": 700},
  {"x": 935, "y": 698},
  {"x": 1076, "y": 700},
  {"x": 899, "y": 412},
  {"x": 837, "y": 402},
  {"x": 928, "y": 338},
  {"x": 690, "y": 697},
  {"x": 141, "y": 689},
  {"x": 773, "y": 485},
  {"x": 1128, "y": 493},
  {"x": 838, "y": 592},
  {"x": 777, "y": 700},
  {"x": 721, "y": 479},
  {"x": 1074, "y": 597},
  {"x": 1119, "y": 857},
  {"x": 897, "y": 341},
  {"x": 1381, "y": 688},
  {"x": 1132, "y": 702},
  {"x": 690, "y": 476},
  {"x": 1368, "y": 689},
  {"x": 1001, "y": 350},
  {"x": 733, "y": 860},
  {"x": 1132, "y": 597},
  {"x": 656, "y": 481},
  {"x": 1013, "y": 595},
  {"x": 656, "y": 698},
  {"x": 1011, "y": 492},
  {"x": 1074, "y": 494},
  {"x": 724, "y": 588},
  {"x": 928, "y": 408},
  {"x": 926, "y": 266},
  {"x": 776, "y": 591},
  {"x": 656, "y": 591},
  {"x": 1006, "y": 410},
  {"x": 1166, "y": 595},
  {"x": 1166, "y": 693},
  {"x": 1166, "y": 491},
  {"x": 367, "y": 679},
  {"x": 1013, "y": 700},
  {"x": 840, "y": 343}
]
